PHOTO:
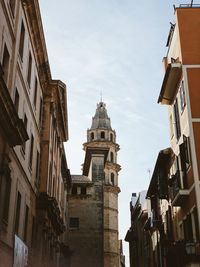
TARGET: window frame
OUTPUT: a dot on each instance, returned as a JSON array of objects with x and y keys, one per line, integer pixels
[
  {"x": 29, "y": 72},
  {"x": 182, "y": 96},
  {"x": 177, "y": 120},
  {"x": 102, "y": 135},
  {"x": 17, "y": 212},
  {"x": 6, "y": 196},
  {"x": 22, "y": 41},
  {"x": 5, "y": 62}
]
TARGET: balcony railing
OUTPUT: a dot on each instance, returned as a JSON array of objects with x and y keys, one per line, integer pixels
[
  {"x": 178, "y": 190},
  {"x": 189, "y": 5},
  {"x": 183, "y": 252}
]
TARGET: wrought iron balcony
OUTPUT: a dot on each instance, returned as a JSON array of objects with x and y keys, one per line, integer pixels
[
  {"x": 12, "y": 126},
  {"x": 183, "y": 252},
  {"x": 178, "y": 191},
  {"x": 193, "y": 251}
]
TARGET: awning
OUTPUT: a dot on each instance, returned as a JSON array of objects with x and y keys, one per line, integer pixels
[{"x": 170, "y": 83}]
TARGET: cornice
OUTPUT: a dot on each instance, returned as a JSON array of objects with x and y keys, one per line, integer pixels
[
  {"x": 101, "y": 143},
  {"x": 33, "y": 17},
  {"x": 60, "y": 98},
  {"x": 112, "y": 189},
  {"x": 113, "y": 166}
]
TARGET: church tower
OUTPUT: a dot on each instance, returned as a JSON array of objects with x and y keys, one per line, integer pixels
[
  {"x": 93, "y": 202},
  {"x": 102, "y": 136}
]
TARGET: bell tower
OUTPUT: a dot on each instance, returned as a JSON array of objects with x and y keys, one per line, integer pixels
[{"x": 104, "y": 172}]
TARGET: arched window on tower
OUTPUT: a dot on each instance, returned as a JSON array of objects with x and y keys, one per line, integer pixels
[
  {"x": 102, "y": 135},
  {"x": 83, "y": 190},
  {"x": 111, "y": 157},
  {"x": 111, "y": 137},
  {"x": 92, "y": 136},
  {"x": 112, "y": 178}
]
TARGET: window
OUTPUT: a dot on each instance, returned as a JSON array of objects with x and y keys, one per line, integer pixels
[
  {"x": 50, "y": 179},
  {"x": 171, "y": 127},
  {"x": 26, "y": 223},
  {"x": 31, "y": 151},
  {"x": 185, "y": 153},
  {"x": 83, "y": 190},
  {"x": 33, "y": 231},
  {"x": 112, "y": 178},
  {"x": 169, "y": 222},
  {"x": 5, "y": 63},
  {"x": 37, "y": 171},
  {"x": 5, "y": 196},
  {"x": 21, "y": 42},
  {"x": 92, "y": 136},
  {"x": 16, "y": 100},
  {"x": 74, "y": 223},
  {"x": 182, "y": 96},
  {"x": 177, "y": 120},
  {"x": 196, "y": 223},
  {"x": 35, "y": 93},
  {"x": 111, "y": 157},
  {"x": 17, "y": 215},
  {"x": 102, "y": 135},
  {"x": 12, "y": 6},
  {"x": 40, "y": 118},
  {"x": 187, "y": 226},
  {"x": 54, "y": 186},
  {"x": 29, "y": 70},
  {"x": 186, "y": 142},
  {"x": 25, "y": 125},
  {"x": 111, "y": 137},
  {"x": 74, "y": 190},
  {"x": 181, "y": 231}
]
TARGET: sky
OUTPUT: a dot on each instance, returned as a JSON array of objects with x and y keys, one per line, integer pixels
[{"x": 114, "y": 48}]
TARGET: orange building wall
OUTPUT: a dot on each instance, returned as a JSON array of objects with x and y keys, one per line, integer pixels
[
  {"x": 196, "y": 129},
  {"x": 189, "y": 32},
  {"x": 193, "y": 75}
]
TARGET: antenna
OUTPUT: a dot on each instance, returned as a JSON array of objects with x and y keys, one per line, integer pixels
[
  {"x": 149, "y": 172},
  {"x": 101, "y": 95}
]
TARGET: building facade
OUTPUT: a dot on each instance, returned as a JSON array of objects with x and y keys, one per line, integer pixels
[
  {"x": 173, "y": 222},
  {"x": 137, "y": 236},
  {"x": 34, "y": 177},
  {"x": 180, "y": 92},
  {"x": 93, "y": 202}
]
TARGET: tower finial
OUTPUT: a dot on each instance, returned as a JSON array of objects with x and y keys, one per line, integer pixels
[{"x": 101, "y": 95}]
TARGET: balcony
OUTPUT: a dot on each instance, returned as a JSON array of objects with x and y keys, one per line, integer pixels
[
  {"x": 183, "y": 253},
  {"x": 193, "y": 251},
  {"x": 178, "y": 191},
  {"x": 12, "y": 126},
  {"x": 50, "y": 204},
  {"x": 170, "y": 83}
]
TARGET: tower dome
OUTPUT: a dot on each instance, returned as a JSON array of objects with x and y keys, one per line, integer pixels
[
  {"x": 101, "y": 119},
  {"x": 101, "y": 126}
]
